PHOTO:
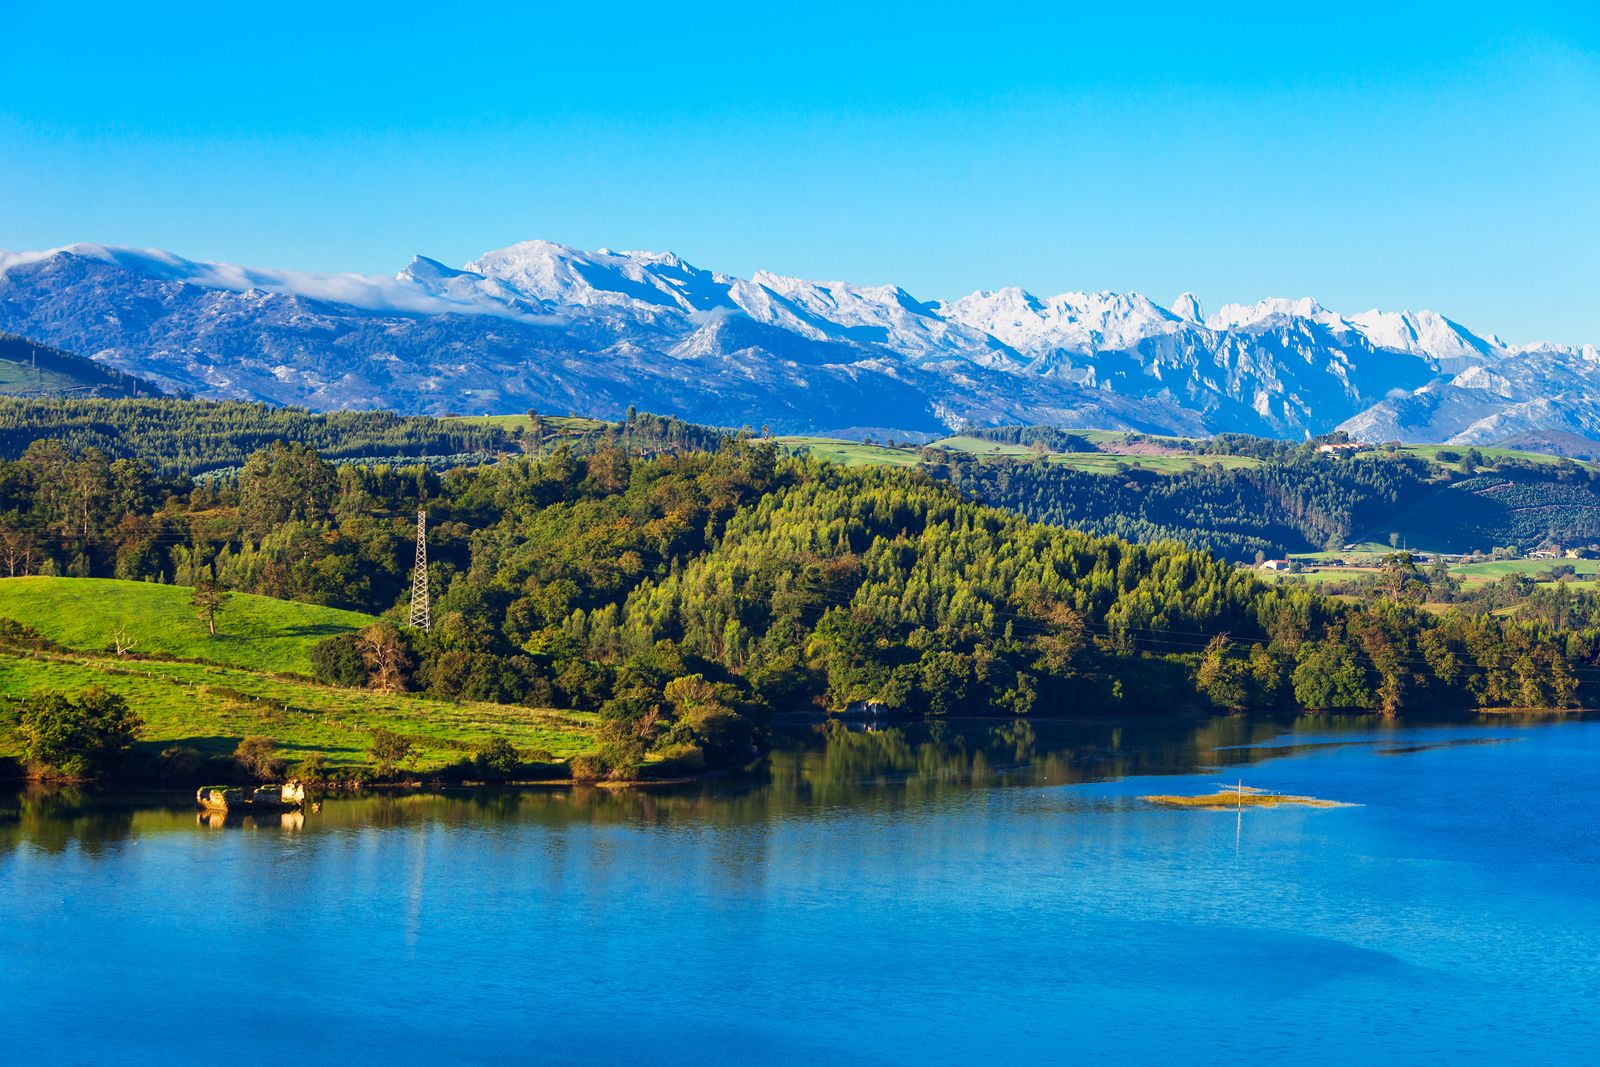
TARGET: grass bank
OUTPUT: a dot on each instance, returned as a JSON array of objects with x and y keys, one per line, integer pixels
[
  {"x": 211, "y": 707},
  {"x": 251, "y": 679}
]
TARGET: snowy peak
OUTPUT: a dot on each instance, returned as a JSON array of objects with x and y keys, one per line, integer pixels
[
  {"x": 1422, "y": 333},
  {"x": 425, "y": 271},
  {"x": 544, "y": 324},
  {"x": 1244, "y": 316},
  {"x": 561, "y": 275},
  {"x": 1075, "y": 322},
  {"x": 1187, "y": 307}
]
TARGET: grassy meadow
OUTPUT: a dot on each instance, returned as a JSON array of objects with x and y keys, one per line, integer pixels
[
  {"x": 254, "y": 632},
  {"x": 856, "y": 454},
  {"x": 241, "y": 682},
  {"x": 524, "y": 422}
]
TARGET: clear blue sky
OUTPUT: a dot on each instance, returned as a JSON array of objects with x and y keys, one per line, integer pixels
[{"x": 1366, "y": 154}]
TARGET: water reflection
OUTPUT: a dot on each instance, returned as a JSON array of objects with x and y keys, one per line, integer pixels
[{"x": 813, "y": 768}]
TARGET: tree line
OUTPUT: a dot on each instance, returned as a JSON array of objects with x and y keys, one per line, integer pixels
[{"x": 685, "y": 595}]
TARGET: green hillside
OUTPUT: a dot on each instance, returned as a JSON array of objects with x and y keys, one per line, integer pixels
[
  {"x": 238, "y": 688},
  {"x": 211, "y": 708},
  {"x": 29, "y": 369},
  {"x": 253, "y": 632},
  {"x": 852, "y": 453}
]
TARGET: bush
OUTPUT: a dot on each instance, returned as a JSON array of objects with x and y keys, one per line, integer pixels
[
  {"x": 19, "y": 635},
  {"x": 337, "y": 661},
  {"x": 67, "y": 738},
  {"x": 182, "y": 763},
  {"x": 313, "y": 769},
  {"x": 258, "y": 758},
  {"x": 389, "y": 750},
  {"x": 614, "y": 760},
  {"x": 497, "y": 759},
  {"x": 681, "y": 759}
]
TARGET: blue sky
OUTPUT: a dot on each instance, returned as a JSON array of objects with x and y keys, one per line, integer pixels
[{"x": 1366, "y": 154}]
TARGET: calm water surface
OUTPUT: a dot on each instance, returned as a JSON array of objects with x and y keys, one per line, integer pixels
[{"x": 964, "y": 893}]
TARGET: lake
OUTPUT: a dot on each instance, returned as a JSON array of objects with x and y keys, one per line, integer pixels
[{"x": 960, "y": 892}]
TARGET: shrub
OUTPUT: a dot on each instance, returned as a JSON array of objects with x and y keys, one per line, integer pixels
[
  {"x": 313, "y": 769},
  {"x": 497, "y": 759},
  {"x": 70, "y": 738},
  {"x": 337, "y": 661},
  {"x": 681, "y": 759},
  {"x": 258, "y": 757},
  {"x": 182, "y": 763},
  {"x": 615, "y": 760},
  {"x": 389, "y": 750},
  {"x": 20, "y": 635}
]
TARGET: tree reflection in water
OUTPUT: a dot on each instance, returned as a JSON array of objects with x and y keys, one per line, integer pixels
[{"x": 813, "y": 767}]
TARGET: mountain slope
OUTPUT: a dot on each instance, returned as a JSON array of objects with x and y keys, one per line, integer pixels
[
  {"x": 29, "y": 369},
  {"x": 542, "y": 325}
]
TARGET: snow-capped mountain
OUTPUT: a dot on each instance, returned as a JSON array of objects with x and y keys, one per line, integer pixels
[{"x": 545, "y": 326}]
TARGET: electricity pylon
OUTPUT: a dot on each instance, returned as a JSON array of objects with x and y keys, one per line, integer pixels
[{"x": 419, "y": 577}]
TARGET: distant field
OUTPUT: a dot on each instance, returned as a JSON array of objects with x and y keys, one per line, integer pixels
[
  {"x": 570, "y": 423},
  {"x": 21, "y": 378},
  {"x": 1102, "y": 463},
  {"x": 1097, "y": 462},
  {"x": 1490, "y": 455},
  {"x": 1540, "y": 570},
  {"x": 853, "y": 453},
  {"x": 1365, "y": 551},
  {"x": 1324, "y": 575},
  {"x": 1115, "y": 438},
  {"x": 254, "y": 632},
  {"x": 1534, "y": 568},
  {"x": 980, "y": 447}
]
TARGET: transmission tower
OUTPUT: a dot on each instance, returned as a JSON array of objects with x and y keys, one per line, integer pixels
[{"x": 419, "y": 577}]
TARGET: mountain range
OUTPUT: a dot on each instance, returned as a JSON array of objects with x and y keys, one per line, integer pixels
[{"x": 544, "y": 326}]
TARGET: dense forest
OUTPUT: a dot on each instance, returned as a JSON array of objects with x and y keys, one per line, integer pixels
[
  {"x": 684, "y": 596},
  {"x": 191, "y": 437},
  {"x": 1296, "y": 500},
  {"x": 1277, "y": 507}
]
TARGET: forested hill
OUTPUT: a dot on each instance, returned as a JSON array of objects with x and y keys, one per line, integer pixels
[
  {"x": 189, "y": 437},
  {"x": 1238, "y": 496},
  {"x": 31, "y": 369},
  {"x": 685, "y": 596},
  {"x": 1296, "y": 500}
]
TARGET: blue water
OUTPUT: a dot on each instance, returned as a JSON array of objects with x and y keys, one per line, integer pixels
[{"x": 919, "y": 898}]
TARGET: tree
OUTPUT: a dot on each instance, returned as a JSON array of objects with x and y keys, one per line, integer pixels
[
  {"x": 384, "y": 652},
  {"x": 1399, "y": 579},
  {"x": 390, "y": 750},
  {"x": 1222, "y": 678},
  {"x": 121, "y": 641},
  {"x": 1328, "y": 676},
  {"x": 284, "y": 482},
  {"x": 18, "y": 550},
  {"x": 706, "y": 717},
  {"x": 209, "y": 597},
  {"x": 77, "y": 738}
]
